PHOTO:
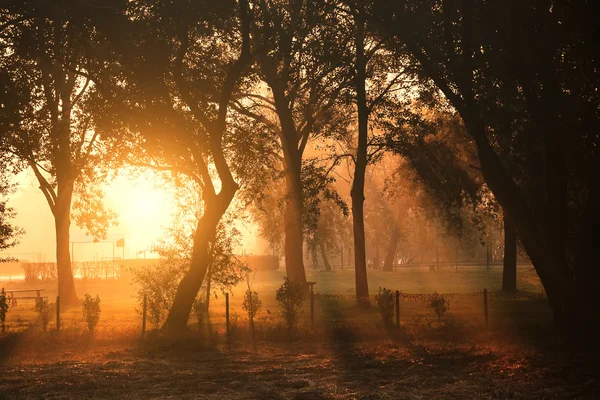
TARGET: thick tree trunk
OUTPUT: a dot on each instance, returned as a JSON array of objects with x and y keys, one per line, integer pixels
[
  {"x": 390, "y": 256},
  {"x": 66, "y": 284},
  {"x": 509, "y": 271},
  {"x": 324, "y": 256},
  {"x": 360, "y": 256},
  {"x": 294, "y": 235},
  {"x": 357, "y": 192}
]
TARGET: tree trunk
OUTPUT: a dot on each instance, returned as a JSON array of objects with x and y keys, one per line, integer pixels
[
  {"x": 66, "y": 284},
  {"x": 189, "y": 286},
  {"x": 324, "y": 256},
  {"x": 294, "y": 235},
  {"x": 357, "y": 193},
  {"x": 314, "y": 257},
  {"x": 509, "y": 271},
  {"x": 390, "y": 256}
]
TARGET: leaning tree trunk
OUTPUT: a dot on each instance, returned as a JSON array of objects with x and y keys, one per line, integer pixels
[
  {"x": 324, "y": 256},
  {"x": 390, "y": 255},
  {"x": 62, "y": 223},
  {"x": 509, "y": 271},
  {"x": 189, "y": 286}
]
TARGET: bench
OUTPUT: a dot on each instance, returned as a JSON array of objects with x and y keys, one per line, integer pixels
[{"x": 38, "y": 297}]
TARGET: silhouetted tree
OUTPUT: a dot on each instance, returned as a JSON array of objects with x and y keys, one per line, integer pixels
[
  {"x": 305, "y": 86},
  {"x": 55, "y": 72},
  {"x": 515, "y": 73},
  {"x": 186, "y": 65}
]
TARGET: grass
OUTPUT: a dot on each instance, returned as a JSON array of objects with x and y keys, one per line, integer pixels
[{"x": 346, "y": 354}]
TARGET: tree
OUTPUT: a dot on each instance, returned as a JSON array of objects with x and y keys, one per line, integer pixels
[
  {"x": 200, "y": 54},
  {"x": 376, "y": 80},
  {"x": 304, "y": 89},
  {"x": 515, "y": 74},
  {"x": 56, "y": 75}
]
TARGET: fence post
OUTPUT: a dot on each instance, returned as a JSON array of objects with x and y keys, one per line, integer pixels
[
  {"x": 227, "y": 313},
  {"x": 57, "y": 313},
  {"x": 397, "y": 309},
  {"x": 144, "y": 316},
  {"x": 485, "y": 306},
  {"x": 312, "y": 306}
]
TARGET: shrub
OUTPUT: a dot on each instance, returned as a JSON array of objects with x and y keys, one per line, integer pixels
[
  {"x": 290, "y": 296},
  {"x": 91, "y": 311},
  {"x": 44, "y": 311},
  {"x": 199, "y": 309},
  {"x": 385, "y": 303},
  {"x": 252, "y": 306},
  {"x": 440, "y": 305},
  {"x": 4, "y": 304}
]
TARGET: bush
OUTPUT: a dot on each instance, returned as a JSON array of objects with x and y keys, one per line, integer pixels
[
  {"x": 385, "y": 303},
  {"x": 290, "y": 296},
  {"x": 199, "y": 309},
  {"x": 252, "y": 306},
  {"x": 4, "y": 304},
  {"x": 44, "y": 311},
  {"x": 440, "y": 305},
  {"x": 91, "y": 311}
]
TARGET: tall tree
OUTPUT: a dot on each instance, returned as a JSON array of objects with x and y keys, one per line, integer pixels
[
  {"x": 186, "y": 66},
  {"x": 304, "y": 89},
  {"x": 56, "y": 69},
  {"x": 515, "y": 72},
  {"x": 376, "y": 80}
]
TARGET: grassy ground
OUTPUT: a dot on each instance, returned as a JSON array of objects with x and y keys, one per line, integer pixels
[{"x": 347, "y": 354}]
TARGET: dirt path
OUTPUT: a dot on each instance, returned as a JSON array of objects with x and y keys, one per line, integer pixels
[{"x": 383, "y": 370}]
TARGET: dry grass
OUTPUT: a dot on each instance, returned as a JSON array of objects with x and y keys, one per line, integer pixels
[{"x": 347, "y": 354}]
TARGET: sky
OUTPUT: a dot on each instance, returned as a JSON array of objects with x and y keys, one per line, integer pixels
[{"x": 144, "y": 210}]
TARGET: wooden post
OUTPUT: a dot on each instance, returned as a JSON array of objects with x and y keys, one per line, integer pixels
[
  {"x": 312, "y": 306},
  {"x": 57, "y": 313},
  {"x": 397, "y": 309},
  {"x": 485, "y": 306},
  {"x": 144, "y": 316},
  {"x": 227, "y": 313}
]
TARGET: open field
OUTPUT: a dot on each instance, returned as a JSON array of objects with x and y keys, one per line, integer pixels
[
  {"x": 347, "y": 354},
  {"x": 464, "y": 288}
]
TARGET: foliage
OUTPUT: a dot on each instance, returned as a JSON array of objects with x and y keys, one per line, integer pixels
[
  {"x": 290, "y": 296},
  {"x": 4, "y": 305},
  {"x": 45, "y": 310},
  {"x": 385, "y": 304},
  {"x": 159, "y": 283},
  {"x": 91, "y": 311},
  {"x": 252, "y": 304},
  {"x": 440, "y": 305},
  {"x": 9, "y": 234}
]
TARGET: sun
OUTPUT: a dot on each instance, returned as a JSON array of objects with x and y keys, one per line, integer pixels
[{"x": 145, "y": 206}]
